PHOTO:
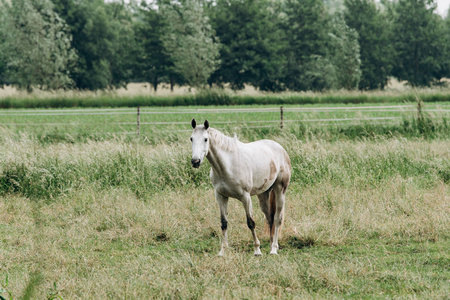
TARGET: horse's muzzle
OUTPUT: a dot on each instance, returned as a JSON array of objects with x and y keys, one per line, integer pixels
[{"x": 195, "y": 162}]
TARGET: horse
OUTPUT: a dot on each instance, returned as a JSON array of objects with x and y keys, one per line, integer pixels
[{"x": 240, "y": 170}]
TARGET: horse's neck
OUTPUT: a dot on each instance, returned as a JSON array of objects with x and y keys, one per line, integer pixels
[{"x": 222, "y": 150}]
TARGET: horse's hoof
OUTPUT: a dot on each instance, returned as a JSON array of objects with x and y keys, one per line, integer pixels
[{"x": 258, "y": 252}]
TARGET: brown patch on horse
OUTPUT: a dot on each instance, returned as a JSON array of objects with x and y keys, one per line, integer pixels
[
  {"x": 286, "y": 177},
  {"x": 273, "y": 170},
  {"x": 285, "y": 182}
]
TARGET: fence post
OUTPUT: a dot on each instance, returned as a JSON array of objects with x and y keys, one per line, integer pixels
[
  {"x": 419, "y": 108},
  {"x": 138, "y": 119},
  {"x": 281, "y": 115}
]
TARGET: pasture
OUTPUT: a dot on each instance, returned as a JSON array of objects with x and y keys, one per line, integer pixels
[
  {"x": 89, "y": 210},
  {"x": 327, "y": 121}
]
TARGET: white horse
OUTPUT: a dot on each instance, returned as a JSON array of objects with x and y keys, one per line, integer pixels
[{"x": 241, "y": 170}]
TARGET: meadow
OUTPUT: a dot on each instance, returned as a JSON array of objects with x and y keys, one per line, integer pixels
[
  {"x": 92, "y": 216},
  {"x": 172, "y": 123}
]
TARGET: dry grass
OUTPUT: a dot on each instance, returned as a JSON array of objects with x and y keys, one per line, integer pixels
[
  {"x": 145, "y": 89},
  {"x": 342, "y": 238},
  {"x": 110, "y": 244}
]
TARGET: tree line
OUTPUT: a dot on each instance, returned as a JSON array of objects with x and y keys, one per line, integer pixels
[{"x": 273, "y": 45}]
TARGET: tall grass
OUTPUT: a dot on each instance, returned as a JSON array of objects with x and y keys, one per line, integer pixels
[
  {"x": 60, "y": 168},
  {"x": 35, "y": 170}
]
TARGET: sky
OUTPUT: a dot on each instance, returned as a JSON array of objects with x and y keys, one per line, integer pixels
[{"x": 442, "y": 7}]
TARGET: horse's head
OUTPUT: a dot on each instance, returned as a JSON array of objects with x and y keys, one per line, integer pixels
[{"x": 200, "y": 142}]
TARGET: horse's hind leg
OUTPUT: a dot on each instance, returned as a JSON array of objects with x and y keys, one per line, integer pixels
[
  {"x": 223, "y": 206},
  {"x": 280, "y": 195},
  {"x": 247, "y": 201},
  {"x": 265, "y": 204}
]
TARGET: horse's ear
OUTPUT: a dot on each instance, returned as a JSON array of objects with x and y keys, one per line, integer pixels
[
  {"x": 206, "y": 124},
  {"x": 193, "y": 123}
]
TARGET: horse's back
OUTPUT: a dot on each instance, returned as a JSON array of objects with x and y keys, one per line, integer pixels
[{"x": 270, "y": 150}]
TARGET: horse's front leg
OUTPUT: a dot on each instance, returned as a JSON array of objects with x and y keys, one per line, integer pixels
[
  {"x": 247, "y": 201},
  {"x": 223, "y": 206}
]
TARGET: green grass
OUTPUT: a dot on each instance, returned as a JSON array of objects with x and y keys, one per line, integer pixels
[
  {"x": 172, "y": 124},
  {"x": 54, "y": 170},
  {"x": 132, "y": 219}
]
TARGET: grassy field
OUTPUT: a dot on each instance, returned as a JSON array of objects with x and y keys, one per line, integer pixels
[
  {"x": 329, "y": 121},
  {"x": 127, "y": 218}
]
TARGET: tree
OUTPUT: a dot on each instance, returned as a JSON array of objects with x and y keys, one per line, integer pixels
[
  {"x": 251, "y": 44},
  {"x": 104, "y": 41},
  {"x": 445, "y": 64},
  {"x": 374, "y": 41},
  {"x": 124, "y": 46},
  {"x": 3, "y": 58},
  {"x": 35, "y": 48},
  {"x": 306, "y": 26},
  {"x": 153, "y": 64},
  {"x": 190, "y": 42},
  {"x": 345, "y": 54},
  {"x": 418, "y": 42}
]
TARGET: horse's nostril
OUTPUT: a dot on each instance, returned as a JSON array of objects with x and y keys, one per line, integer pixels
[{"x": 195, "y": 162}]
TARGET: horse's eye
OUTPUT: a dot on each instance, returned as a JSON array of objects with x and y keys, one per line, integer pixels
[{"x": 206, "y": 140}]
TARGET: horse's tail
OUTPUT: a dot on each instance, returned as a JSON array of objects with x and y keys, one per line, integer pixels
[{"x": 272, "y": 209}]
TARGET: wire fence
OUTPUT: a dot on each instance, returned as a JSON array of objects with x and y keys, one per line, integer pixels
[{"x": 266, "y": 117}]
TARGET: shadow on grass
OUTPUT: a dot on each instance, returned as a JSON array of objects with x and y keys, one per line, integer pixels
[
  {"x": 290, "y": 242},
  {"x": 299, "y": 242}
]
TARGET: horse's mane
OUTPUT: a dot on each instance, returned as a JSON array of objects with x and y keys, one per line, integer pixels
[{"x": 222, "y": 141}]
